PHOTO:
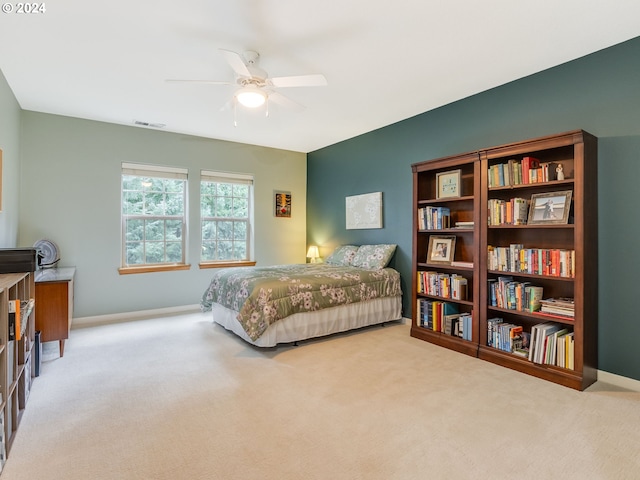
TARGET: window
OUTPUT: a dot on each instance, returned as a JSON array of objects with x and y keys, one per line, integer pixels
[
  {"x": 153, "y": 216},
  {"x": 226, "y": 203}
]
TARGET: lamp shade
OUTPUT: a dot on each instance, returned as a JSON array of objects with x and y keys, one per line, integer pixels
[
  {"x": 251, "y": 97},
  {"x": 313, "y": 253}
]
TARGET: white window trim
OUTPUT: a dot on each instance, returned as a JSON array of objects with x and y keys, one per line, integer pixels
[
  {"x": 240, "y": 179},
  {"x": 153, "y": 171}
]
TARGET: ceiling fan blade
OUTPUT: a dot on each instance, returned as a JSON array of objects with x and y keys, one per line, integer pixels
[
  {"x": 317, "y": 80},
  {"x": 286, "y": 102},
  {"x": 210, "y": 82},
  {"x": 236, "y": 62}
]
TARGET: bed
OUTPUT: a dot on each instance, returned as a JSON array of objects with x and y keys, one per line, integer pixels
[{"x": 267, "y": 306}]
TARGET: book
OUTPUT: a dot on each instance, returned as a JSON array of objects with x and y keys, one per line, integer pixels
[
  {"x": 14, "y": 320},
  {"x": 540, "y": 340},
  {"x": 558, "y": 306},
  {"x": 466, "y": 321},
  {"x": 459, "y": 287},
  {"x": 523, "y": 349},
  {"x": 520, "y": 211},
  {"x": 460, "y": 263},
  {"x": 464, "y": 224},
  {"x": 26, "y": 307},
  {"x": 534, "y": 296},
  {"x": 449, "y": 323},
  {"x": 492, "y": 324},
  {"x": 552, "y": 346}
]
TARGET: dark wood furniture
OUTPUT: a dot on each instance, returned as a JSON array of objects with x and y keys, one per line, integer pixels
[
  {"x": 54, "y": 297},
  {"x": 577, "y": 152}
]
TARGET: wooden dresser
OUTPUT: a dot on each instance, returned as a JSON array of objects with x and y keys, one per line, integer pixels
[{"x": 54, "y": 300}]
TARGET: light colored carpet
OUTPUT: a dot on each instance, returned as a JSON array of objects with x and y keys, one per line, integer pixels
[{"x": 181, "y": 398}]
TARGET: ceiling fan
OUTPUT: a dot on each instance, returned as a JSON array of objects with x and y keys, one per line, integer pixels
[{"x": 255, "y": 87}]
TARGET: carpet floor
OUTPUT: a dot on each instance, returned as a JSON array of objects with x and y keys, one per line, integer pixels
[{"x": 179, "y": 397}]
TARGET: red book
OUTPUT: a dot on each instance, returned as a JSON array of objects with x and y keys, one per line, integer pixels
[{"x": 529, "y": 165}]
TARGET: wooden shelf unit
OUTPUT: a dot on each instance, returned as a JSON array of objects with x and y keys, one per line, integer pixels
[
  {"x": 463, "y": 209},
  {"x": 577, "y": 151},
  {"x": 16, "y": 362}
]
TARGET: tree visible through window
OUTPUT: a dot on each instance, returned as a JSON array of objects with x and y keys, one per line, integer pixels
[
  {"x": 153, "y": 215},
  {"x": 225, "y": 207}
]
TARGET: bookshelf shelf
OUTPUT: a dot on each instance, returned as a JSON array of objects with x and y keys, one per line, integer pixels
[{"x": 493, "y": 176}]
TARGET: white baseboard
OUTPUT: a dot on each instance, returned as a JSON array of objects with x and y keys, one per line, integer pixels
[
  {"x": 619, "y": 381},
  {"x": 82, "y": 322}
]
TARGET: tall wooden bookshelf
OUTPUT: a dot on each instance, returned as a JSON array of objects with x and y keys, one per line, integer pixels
[
  {"x": 16, "y": 362},
  {"x": 464, "y": 207},
  {"x": 573, "y": 230}
]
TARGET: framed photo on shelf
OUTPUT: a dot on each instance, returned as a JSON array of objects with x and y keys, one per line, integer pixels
[
  {"x": 441, "y": 249},
  {"x": 550, "y": 208},
  {"x": 448, "y": 184}
]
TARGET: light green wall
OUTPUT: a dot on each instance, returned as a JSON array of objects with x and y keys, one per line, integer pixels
[
  {"x": 70, "y": 194},
  {"x": 9, "y": 144}
]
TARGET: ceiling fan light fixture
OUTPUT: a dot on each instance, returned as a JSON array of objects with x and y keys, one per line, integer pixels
[{"x": 251, "y": 97}]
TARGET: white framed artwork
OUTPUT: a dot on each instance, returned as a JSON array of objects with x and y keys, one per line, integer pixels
[{"x": 364, "y": 211}]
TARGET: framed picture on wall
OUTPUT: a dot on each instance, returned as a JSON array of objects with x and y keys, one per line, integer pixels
[
  {"x": 283, "y": 204},
  {"x": 364, "y": 211}
]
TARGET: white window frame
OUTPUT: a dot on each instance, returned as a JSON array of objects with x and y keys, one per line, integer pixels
[
  {"x": 153, "y": 171},
  {"x": 234, "y": 178}
]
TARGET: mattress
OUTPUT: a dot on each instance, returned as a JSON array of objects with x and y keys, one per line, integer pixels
[{"x": 306, "y": 325}]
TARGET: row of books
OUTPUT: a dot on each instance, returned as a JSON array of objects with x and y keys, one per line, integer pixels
[
  {"x": 508, "y": 212},
  {"x": 504, "y": 292},
  {"x": 515, "y": 258},
  {"x": 434, "y": 218},
  {"x": 547, "y": 343},
  {"x": 444, "y": 317},
  {"x": 519, "y": 172},
  {"x": 507, "y": 337},
  {"x": 552, "y": 344},
  {"x": 443, "y": 285}
]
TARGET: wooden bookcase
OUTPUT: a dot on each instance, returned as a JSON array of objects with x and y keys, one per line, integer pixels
[
  {"x": 16, "y": 363},
  {"x": 464, "y": 208},
  {"x": 577, "y": 152}
]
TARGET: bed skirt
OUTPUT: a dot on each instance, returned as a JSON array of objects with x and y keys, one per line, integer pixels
[{"x": 305, "y": 325}]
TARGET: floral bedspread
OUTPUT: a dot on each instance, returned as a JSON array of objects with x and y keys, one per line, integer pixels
[{"x": 263, "y": 295}]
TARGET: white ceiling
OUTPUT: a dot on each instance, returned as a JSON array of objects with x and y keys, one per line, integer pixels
[{"x": 384, "y": 61}]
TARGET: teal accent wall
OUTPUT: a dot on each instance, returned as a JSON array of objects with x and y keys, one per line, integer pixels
[{"x": 599, "y": 93}]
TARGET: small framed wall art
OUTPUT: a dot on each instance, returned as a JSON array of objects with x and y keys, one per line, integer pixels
[
  {"x": 283, "y": 204},
  {"x": 364, "y": 211},
  {"x": 448, "y": 184}
]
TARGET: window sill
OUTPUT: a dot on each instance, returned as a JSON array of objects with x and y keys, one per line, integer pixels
[
  {"x": 227, "y": 264},
  {"x": 153, "y": 268}
]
